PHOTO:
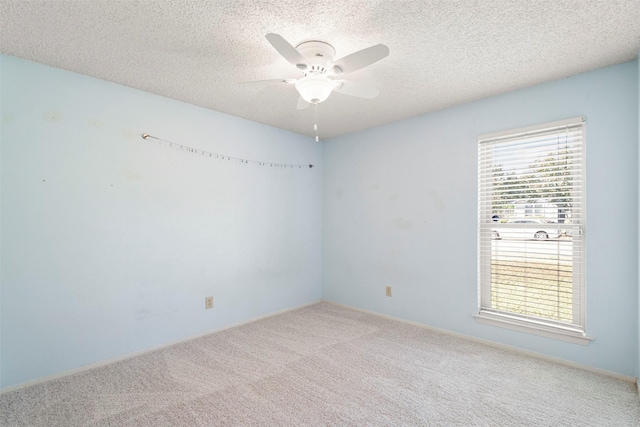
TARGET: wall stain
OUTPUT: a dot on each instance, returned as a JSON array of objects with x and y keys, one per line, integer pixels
[
  {"x": 132, "y": 176},
  {"x": 437, "y": 200},
  {"x": 339, "y": 193},
  {"x": 394, "y": 197},
  {"x": 95, "y": 123},
  {"x": 7, "y": 118},
  {"x": 130, "y": 134},
  {"x": 52, "y": 116},
  {"x": 403, "y": 223}
]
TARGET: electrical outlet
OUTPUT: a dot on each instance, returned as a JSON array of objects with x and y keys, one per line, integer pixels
[
  {"x": 208, "y": 302},
  {"x": 388, "y": 291}
]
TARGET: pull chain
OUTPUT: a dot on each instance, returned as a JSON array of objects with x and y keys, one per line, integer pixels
[{"x": 315, "y": 123}]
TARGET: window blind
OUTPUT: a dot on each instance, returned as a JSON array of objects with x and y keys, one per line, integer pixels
[{"x": 531, "y": 225}]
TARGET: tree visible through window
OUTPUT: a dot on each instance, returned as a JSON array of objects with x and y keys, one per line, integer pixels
[{"x": 531, "y": 226}]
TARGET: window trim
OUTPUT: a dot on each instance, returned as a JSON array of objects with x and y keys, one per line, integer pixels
[
  {"x": 543, "y": 328},
  {"x": 523, "y": 131},
  {"x": 507, "y": 322}
]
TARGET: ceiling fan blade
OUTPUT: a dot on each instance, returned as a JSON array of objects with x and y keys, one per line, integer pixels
[
  {"x": 285, "y": 49},
  {"x": 302, "y": 104},
  {"x": 271, "y": 81},
  {"x": 361, "y": 58},
  {"x": 356, "y": 89}
]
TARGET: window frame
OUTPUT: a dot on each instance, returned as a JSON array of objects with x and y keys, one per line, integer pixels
[{"x": 575, "y": 332}]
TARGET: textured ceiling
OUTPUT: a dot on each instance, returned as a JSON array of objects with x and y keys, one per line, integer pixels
[{"x": 443, "y": 53}]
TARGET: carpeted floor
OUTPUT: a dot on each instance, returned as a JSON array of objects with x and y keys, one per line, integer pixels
[{"x": 325, "y": 365}]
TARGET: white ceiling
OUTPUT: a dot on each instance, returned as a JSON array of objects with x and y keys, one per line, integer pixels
[{"x": 443, "y": 53}]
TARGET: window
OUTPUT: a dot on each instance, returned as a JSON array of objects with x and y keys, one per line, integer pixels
[{"x": 531, "y": 230}]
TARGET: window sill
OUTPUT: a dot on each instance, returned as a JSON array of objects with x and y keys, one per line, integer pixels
[{"x": 531, "y": 328}]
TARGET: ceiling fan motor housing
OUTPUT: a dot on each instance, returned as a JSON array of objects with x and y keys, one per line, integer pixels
[{"x": 319, "y": 56}]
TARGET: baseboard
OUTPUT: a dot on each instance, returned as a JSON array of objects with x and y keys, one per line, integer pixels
[
  {"x": 500, "y": 346},
  {"x": 144, "y": 351}
]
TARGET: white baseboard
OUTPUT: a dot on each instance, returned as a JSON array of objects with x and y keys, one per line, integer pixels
[
  {"x": 144, "y": 351},
  {"x": 500, "y": 346}
]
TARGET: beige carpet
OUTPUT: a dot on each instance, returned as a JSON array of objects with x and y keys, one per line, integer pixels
[{"x": 325, "y": 365}]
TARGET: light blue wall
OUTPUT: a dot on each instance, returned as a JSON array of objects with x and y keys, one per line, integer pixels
[
  {"x": 110, "y": 243},
  {"x": 400, "y": 205}
]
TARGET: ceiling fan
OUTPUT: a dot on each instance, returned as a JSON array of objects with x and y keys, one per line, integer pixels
[{"x": 315, "y": 59}]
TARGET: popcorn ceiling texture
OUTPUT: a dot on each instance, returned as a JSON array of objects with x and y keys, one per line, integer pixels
[
  {"x": 443, "y": 53},
  {"x": 326, "y": 365}
]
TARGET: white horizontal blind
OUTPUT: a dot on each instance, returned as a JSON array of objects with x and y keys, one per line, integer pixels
[{"x": 531, "y": 225}]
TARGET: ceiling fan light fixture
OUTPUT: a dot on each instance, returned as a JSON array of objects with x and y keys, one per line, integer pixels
[{"x": 315, "y": 89}]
